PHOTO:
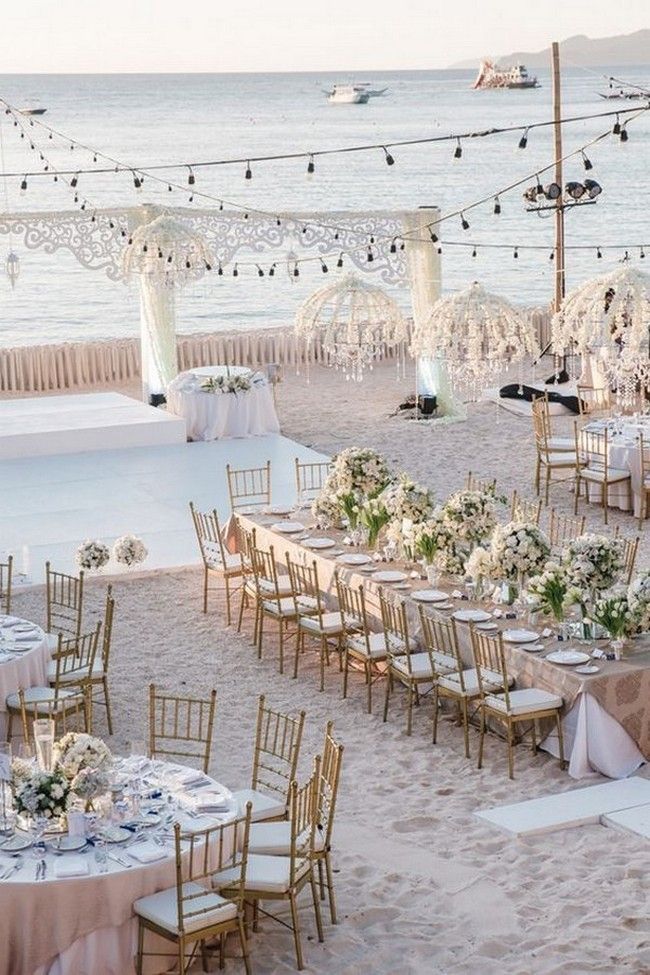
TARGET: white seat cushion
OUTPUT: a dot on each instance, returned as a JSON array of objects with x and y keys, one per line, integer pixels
[
  {"x": 332, "y": 623},
  {"x": 232, "y": 564},
  {"x": 376, "y": 643},
  {"x": 161, "y": 908},
  {"x": 34, "y": 696},
  {"x": 265, "y": 873},
  {"x": 561, "y": 444},
  {"x": 264, "y": 806},
  {"x": 598, "y": 474},
  {"x": 444, "y": 662},
  {"x": 525, "y": 700},
  {"x": 561, "y": 459},
  {"x": 274, "y": 839},
  {"x": 420, "y": 665},
  {"x": 491, "y": 681},
  {"x": 74, "y": 675},
  {"x": 287, "y": 607}
]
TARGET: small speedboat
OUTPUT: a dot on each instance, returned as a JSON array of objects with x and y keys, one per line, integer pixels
[
  {"x": 32, "y": 111},
  {"x": 622, "y": 95},
  {"x": 348, "y": 95}
]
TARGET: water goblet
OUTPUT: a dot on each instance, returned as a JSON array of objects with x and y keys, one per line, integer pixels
[{"x": 101, "y": 855}]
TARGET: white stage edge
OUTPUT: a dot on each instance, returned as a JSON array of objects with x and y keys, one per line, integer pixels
[
  {"x": 48, "y": 505},
  {"x": 46, "y": 425}
]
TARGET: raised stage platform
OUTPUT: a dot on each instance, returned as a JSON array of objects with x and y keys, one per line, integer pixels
[{"x": 45, "y": 425}]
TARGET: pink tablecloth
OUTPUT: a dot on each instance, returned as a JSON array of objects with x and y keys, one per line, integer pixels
[{"x": 28, "y": 668}]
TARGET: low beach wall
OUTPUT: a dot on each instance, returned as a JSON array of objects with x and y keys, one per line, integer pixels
[{"x": 116, "y": 362}]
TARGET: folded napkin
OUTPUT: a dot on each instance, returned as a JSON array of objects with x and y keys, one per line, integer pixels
[
  {"x": 30, "y": 637},
  {"x": 206, "y": 802},
  {"x": 147, "y": 852},
  {"x": 194, "y": 824},
  {"x": 188, "y": 777},
  {"x": 67, "y": 866}
]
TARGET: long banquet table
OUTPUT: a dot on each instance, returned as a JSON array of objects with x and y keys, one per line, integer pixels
[{"x": 606, "y": 715}]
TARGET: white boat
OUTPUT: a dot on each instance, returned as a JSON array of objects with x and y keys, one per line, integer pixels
[
  {"x": 490, "y": 75},
  {"x": 348, "y": 95},
  {"x": 373, "y": 92}
]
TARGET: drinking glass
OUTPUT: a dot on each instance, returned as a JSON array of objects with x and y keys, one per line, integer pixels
[
  {"x": 101, "y": 855},
  {"x": 43, "y": 731}
]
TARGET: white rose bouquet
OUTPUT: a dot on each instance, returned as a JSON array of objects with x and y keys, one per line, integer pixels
[
  {"x": 472, "y": 515},
  {"x": 518, "y": 550},
  {"x": 593, "y": 562},
  {"x": 43, "y": 794},
  {"x": 360, "y": 471},
  {"x": 638, "y": 595},
  {"x": 405, "y": 498},
  {"x": 89, "y": 783},
  {"x": 129, "y": 550},
  {"x": 614, "y": 614},
  {"x": 326, "y": 509},
  {"x": 226, "y": 384},
  {"x": 77, "y": 750},
  {"x": 92, "y": 555}
]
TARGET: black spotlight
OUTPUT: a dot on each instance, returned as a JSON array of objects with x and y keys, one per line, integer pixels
[
  {"x": 574, "y": 190},
  {"x": 592, "y": 188}
]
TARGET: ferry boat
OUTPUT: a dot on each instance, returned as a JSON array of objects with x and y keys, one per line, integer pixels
[{"x": 490, "y": 75}]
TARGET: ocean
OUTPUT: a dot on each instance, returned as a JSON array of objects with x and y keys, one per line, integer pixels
[{"x": 146, "y": 119}]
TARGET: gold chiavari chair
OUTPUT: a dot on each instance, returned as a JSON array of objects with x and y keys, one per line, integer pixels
[
  {"x": 312, "y": 617},
  {"x": 474, "y": 483},
  {"x": 69, "y": 693},
  {"x": 218, "y": 562},
  {"x": 548, "y": 459},
  {"x": 410, "y": 668},
  {"x": 249, "y": 487},
  {"x": 282, "y": 878},
  {"x": 630, "y": 552},
  {"x": 246, "y": 541},
  {"x": 521, "y": 509},
  {"x": 643, "y": 462},
  {"x": 275, "y": 761},
  {"x": 562, "y": 529},
  {"x": 593, "y": 467},
  {"x": 361, "y": 644},
  {"x": 64, "y": 594},
  {"x": 310, "y": 478},
  {"x": 556, "y": 443},
  {"x": 275, "y": 600},
  {"x": 510, "y": 707},
  {"x": 191, "y": 913},
  {"x": 6, "y": 574},
  {"x": 72, "y": 718},
  {"x": 593, "y": 400},
  {"x": 181, "y": 726}
]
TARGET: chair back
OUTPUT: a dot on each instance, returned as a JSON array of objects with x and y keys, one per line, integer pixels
[
  {"x": 70, "y": 718},
  {"x": 249, "y": 487},
  {"x": 564, "y": 528},
  {"x": 75, "y": 659},
  {"x": 330, "y": 774},
  {"x": 181, "y": 726},
  {"x": 265, "y": 575},
  {"x": 6, "y": 572},
  {"x": 352, "y": 606},
  {"x": 541, "y": 424},
  {"x": 64, "y": 594},
  {"x": 591, "y": 449},
  {"x": 489, "y": 661},
  {"x": 310, "y": 478},
  {"x": 522, "y": 509},
  {"x": 277, "y": 747},
  {"x": 593, "y": 399},
  {"x": 303, "y": 817},
  {"x": 396, "y": 631},
  {"x": 304, "y": 583},
  {"x": 199, "y": 855},
  {"x": 109, "y": 612},
  {"x": 208, "y": 534},
  {"x": 474, "y": 483},
  {"x": 441, "y": 636},
  {"x": 630, "y": 548}
]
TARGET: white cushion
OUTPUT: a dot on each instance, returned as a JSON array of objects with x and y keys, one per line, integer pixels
[
  {"x": 332, "y": 623},
  {"x": 264, "y": 806},
  {"x": 562, "y": 459},
  {"x": 491, "y": 681},
  {"x": 598, "y": 474},
  {"x": 43, "y": 695},
  {"x": 287, "y": 607},
  {"x": 376, "y": 643},
  {"x": 420, "y": 665},
  {"x": 74, "y": 675},
  {"x": 274, "y": 839},
  {"x": 265, "y": 873},
  {"x": 232, "y": 564},
  {"x": 524, "y": 700},
  {"x": 161, "y": 908},
  {"x": 561, "y": 444},
  {"x": 444, "y": 662}
]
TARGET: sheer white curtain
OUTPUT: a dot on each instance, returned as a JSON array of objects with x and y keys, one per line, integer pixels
[{"x": 158, "y": 334}]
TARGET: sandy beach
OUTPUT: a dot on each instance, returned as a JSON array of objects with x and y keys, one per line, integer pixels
[{"x": 422, "y": 885}]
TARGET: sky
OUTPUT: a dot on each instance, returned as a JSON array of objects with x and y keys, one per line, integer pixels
[{"x": 67, "y": 36}]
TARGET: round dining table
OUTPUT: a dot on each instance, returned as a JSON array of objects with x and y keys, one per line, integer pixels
[
  {"x": 216, "y": 415},
  {"x": 24, "y": 657},
  {"x": 75, "y": 916}
]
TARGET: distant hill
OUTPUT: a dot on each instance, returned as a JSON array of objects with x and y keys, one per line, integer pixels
[{"x": 582, "y": 50}]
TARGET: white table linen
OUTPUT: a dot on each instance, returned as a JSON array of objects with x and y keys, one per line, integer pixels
[
  {"x": 215, "y": 416},
  {"x": 84, "y": 925},
  {"x": 623, "y": 454},
  {"x": 20, "y": 668}
]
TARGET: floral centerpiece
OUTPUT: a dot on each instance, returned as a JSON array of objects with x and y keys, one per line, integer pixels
[
  {"x": 77, "y": 750},
  {"x": 479, "y": 567},
  {"x": 552, "y": 591},
  {"x": 357, "y": 473},
  {"x": 614, "y": 614},
  {"x": 129, "y": 550},
  {"x": 638, "y": 595},
  {"x": 593, "y": 563},
  {"x": 92, "y": 555},
  {"x": 226, "y": 384},
  {"x": 42, "y": 794},
  {"x": 326, "y": 509},
  {"x": 518, "y": 550},
  {"x": 405, "y": 498},
  {"x": 435, "y": 541},
  {"x": 472, "y": 515},
  {"x": 373, "y": 515},
  {"x": 89, "y": 783}
]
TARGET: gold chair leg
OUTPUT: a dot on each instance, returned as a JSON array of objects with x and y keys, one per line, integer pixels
[
  {"x": 346, "y": 662},
  {"x": 323, "y": 654},
  {"x": 481, "y": 739},
  {"x": 533, "y": 736},
  {"x": 296, "y": 931},
  {"x": 560, "y": 738},
  {"x": 368, "y": 672},
  {"x": 463, "y": 705},
  {"x": 321, "y": 879},
  {"x": 227, "y": 587},
  {"x": 409, "y": 716},
  {"x": 511, "y": 764},
  {"x": 140, "y": 951},
  {"x": 389, "y": 681},
  {"x": 434, "y": 730},
  {"x": 330, "y": 888},
  {"x": 109, "y": 717},
  {"x": 205, "y": 589},
  {"x": 181, "y": 956},
  {"x": 314, "y": 897},
  {"x": 281, "y": 629},
  {"x": 244, "y": 945}
]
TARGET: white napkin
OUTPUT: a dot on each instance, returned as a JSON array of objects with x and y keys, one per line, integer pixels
[
  {"x": 147, "y": 852},
  {"x": 206, "y": 802},
  {"x": 67, "y": 866},
  {"x": 188, "y": 777},
  {"x": 189, "y": 824}
]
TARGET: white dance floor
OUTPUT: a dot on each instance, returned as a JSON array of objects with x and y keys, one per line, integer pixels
[{"x": 49, "y": 504}]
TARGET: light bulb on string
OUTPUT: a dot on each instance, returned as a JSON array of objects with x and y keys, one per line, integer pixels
[
  {"x": 624, "y": 133},
  {"x": 260, "y": 272},
  {"x": 137, "y": 182},
  {"x": 433, "y": 236},
  {"x": 272, "y": 271},
  {"x": 296, "y": 270},
  {"x": 393, "y": 246},
  {"x": 464, "y": 222},
  {"x": 235, "y": 271},
  {"x": 389, "y": 159},
  {"x": 221, "y": 204},
  {"x": 311, "y": 167},
  {"x": 74, "y": 180},
  {"x": 220, "y": 270},
  {"x": 515, "y": 253},
  {"x": 249, "y": 172},
  {"x": 497, "y": 206},
  {"x": 599, "y": 253},
  {"x": 339, "y": 263},
  {"x": 190, "y": 178},
  {"x": 523, "y": 142},
  {"x": 458, "y": 151},
  {"x": 169, "y": 188},
  {"x": 474, "y": 251},
  {"x": 642, "y": 253},
  {"x": 586, "y": 162},
  {"x": 323, "y": 266},
  {"x": 617, "y": 127},
  {"x": 23, "y": 185},
  {"x": 370, "y": 256},
  {"x": 551, "y": 256}
]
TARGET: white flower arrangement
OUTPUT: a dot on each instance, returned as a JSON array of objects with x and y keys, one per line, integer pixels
[
  {"x": 551, "y": 590},
  {"x": 614, "y": 614},
  {"x": 472, "y": 514},
  {"x": 479, "y": 565},
  {"x": 129, "y": 550},
  {"x": 90, "y": 783},
  {"x": 326, "y": 509},
  {"x": 77, "y": 750},
  {"x": 226, "y": 384},
  {"x": 405, "y": 498},
  {"x": 359, "y": 470},
  {"x": 638, "y": 595},
  {"x": 43, "y": 794},
  {"x": 518, "y": 549},
  {"x": 92, "y": 555},
  {"x": 593, "y": 562},
  {"x": 373, "y": 515},
  {"x": 433, "y": 538}
]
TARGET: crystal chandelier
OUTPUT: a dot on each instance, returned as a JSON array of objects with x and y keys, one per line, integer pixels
[
  {"x": 168, "y": 252},
  {"x": 609, "y": 318},
  {"x": 357, "y": 324},
  {"x": 477, "y": 335}
]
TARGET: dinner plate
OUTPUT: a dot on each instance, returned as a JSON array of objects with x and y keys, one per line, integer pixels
[
  {"x": 390, "y": 576},
  {"x": 587, "y": 669},
  {"x": 520, "y": 636},
  {"x": 319, "y": 543},
  {"x": 355, "y": 558},
  {"x": 488, "y": 627},
  {"x": 278, "y": 510},
  {"x": 533, "y": 647},
  {"x": 68, "y": 844},
  {"x": 568, "y": 657},
  {"x": 111, "y": 833},
  {"x": 472, "y": 615},
  {"x": 430, "y": 596},
  {"x": 288, "y": 527},
  {"x": 16, "y": 843}
]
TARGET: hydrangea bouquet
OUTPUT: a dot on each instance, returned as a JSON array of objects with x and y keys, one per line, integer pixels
[
  {"x": 129, "y": 550},
  {"x": 593, "y": 563},
  {"x": 77, "y": 750},
  {"x": 518, "y": 550},
  {"x": 471, "y": 515},
  {"x": 92, "y": 555},
  {"x": 43, "y": 794}
]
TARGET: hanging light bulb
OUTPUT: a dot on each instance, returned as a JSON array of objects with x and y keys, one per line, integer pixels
[
  {"x": 74, "y": 180},
  {"x": 599, "y": 253},
  {"x": 23, "y": 185},
  {"x": 296, "y": 270},
  {"x": 642, "y": 253},
  {"x": 458, "y": 151},
  {"x": 370, "y": 256},
  {"x": 260, "y": 272},
  {"x": 323, "y": 266},
  {"x": 617, "y": 127},
  {"x": 497, "y": 206},
  {"x": 137, "y": 182},
  {"x": 272, "y": 271},
  {"x": 311, "y": 166},
  {"x": 220, "y": 270},
  {"x": 249, "y": 172},
  {"x": 551, "y": 256},
  {"x": 389, "y": 159},
  {"x": 523, "y": 142},
  {"x": 433, "y": 236},
  {"x": 515, "y": 253},
  {"x": 586, "y": 162},
  {"x": 624, "y": 133},
  {"x": 339, "y": 263},
  {"x": 474, "y": 251},
  {"x": 393, "y": 246},
  {"x": 463, "y": 222},
  {"x": 190, "y": 179},
  {"x": 235, "y": 271}
]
